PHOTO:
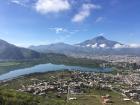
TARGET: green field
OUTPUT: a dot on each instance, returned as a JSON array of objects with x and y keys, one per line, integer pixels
[
  {"x": 11, "y": 97},
  {"x": 94, "y": 98}
]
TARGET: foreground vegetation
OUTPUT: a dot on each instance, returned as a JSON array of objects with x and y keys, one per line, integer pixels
[{"x": 12, "y": 97}]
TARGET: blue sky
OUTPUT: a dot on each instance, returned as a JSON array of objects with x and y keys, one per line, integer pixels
[{"x": 39, "y": 22}]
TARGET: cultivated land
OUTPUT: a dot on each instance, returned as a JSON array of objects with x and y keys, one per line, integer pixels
[{"x": 61, "y": 88}]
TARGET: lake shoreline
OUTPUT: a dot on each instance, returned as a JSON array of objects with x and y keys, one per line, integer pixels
[{"x": 43, "y": 68}]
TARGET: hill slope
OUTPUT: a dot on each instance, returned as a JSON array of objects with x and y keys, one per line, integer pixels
[{"x": 9, "y": 51}]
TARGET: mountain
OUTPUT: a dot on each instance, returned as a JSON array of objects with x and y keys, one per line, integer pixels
[
  {"x": 100, "y": 42},
  {"x": 94, "y": 47},
  {"x": 9, "y": 51},
  {"x": 57, "y": 47},
  {"x": 60, "y": 48}
]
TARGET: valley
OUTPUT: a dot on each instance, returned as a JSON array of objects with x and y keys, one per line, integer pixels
[
  {"x": 69, "y": 52},
  {"x": 55, "y": 77}
]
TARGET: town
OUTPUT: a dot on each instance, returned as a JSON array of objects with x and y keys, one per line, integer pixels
[
  {"x": 118, "y": 58},
  {"x": 76, "y": 83}
]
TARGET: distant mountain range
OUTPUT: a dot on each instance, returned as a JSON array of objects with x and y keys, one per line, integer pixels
[
  {"x": 10, "y": 52},
  {"x": 94, "y": 47}
]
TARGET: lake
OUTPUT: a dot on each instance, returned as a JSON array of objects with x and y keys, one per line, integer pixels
[{"x": 48, "y": 67}]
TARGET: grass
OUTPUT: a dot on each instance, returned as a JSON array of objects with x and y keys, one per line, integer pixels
[
  {"x": 12, "y": 97},
  {"x": 86, "y": 100},
  {"x": 94, "y": 98}
]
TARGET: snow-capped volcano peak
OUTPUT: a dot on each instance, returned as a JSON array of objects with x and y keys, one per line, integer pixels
[{"x": 100, "y": 42}]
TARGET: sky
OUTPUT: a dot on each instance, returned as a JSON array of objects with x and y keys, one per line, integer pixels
[{"x": 41, "y": 22}]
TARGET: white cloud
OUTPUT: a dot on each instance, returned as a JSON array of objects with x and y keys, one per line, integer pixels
[
  {"x": 94, "y": 45},
  {"x": 127, "y": 46},
  {"x": 51, "y": 6},
  {"x": 85, "y": 12},
  {"x": 88, "y": 45},
  {"x": 119, "y": 46},
  {"x": 63, "y": 30},
  {"x": 58, "y": 29},
  {"x": 73, "y": 31},
  {"x": 101, "y": 34},
  {"x": 99, "y": 19},
  {"x": 20, "y": 2},
  {"x": 15, "y": 1},
  {"x": 102, "y": 45},
  {"x": 134, "y": 45}
]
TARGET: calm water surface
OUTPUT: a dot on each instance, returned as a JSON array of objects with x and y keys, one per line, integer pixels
[{"x": 47, "y": 67}]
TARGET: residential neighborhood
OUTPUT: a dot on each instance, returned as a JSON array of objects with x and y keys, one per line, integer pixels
[{"x": 77, "y": 83}]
